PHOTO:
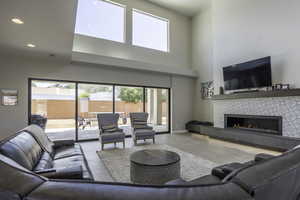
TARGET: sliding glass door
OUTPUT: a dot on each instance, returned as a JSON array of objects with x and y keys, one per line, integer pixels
[
  {"x": 93, "y": 99},
  {"x": 127, "y": 100},
  {"x": 157, "y": 105},
  {"x": 69, "y": 109},
  {"x": 53, "y": 108}
]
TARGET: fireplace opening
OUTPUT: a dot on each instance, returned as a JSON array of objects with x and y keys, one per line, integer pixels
[{"x": 265, "y": 124}]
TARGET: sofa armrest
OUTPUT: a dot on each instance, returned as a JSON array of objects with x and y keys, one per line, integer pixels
[
  {"x": 178, "y": 181},
  {"x": 222, "y": 171},
  {"x": 262, "y": 157},
  {"x": 61, "y": 143},
  {"x": 62, "y": 173},
  {"x": 204, "y": 180}
]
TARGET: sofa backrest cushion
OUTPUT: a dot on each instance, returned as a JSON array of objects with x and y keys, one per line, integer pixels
[
  {"x": 277, "y": 178},
  {"x": 46, "y": 162},
  {"x": 15, "y": 179},
  {"x": 39, "y": 134},
  {"x": 23, "y": 149}
]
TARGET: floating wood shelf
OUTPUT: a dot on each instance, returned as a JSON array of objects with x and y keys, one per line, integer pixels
[{"x": 260, "y": 94}]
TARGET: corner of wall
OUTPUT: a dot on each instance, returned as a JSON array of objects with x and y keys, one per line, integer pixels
[{"x": 202, "y": 61}]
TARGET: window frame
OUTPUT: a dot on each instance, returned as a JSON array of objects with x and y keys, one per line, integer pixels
[
  {"x": 124, "y": 24},
  {"x": 77, "y": 82},
  {"x": 157, "y": 17}
]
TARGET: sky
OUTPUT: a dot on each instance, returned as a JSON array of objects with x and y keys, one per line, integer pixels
[{"x": 100, "y": 19}]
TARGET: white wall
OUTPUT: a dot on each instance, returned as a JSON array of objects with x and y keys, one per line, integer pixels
[
  {"x": 250, "y": 29},
  {"x": 183, "y": 99},
  {"x": 180, "y": 39},
  {"x": 202, "y": 61},
  {"x": 235, "y": 31},
  {"x": 15, "y": 72}
]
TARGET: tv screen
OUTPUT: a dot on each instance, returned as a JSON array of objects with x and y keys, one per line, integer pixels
[{"x": 252, "y": 74}]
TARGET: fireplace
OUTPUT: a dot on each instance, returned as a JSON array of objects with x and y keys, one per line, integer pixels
[{"x": 264, "y": 124}]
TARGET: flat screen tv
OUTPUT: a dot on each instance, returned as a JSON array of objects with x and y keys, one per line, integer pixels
[{"x": 252, "y": 74}]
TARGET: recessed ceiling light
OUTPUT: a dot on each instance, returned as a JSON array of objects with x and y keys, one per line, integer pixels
[
  {"x": 17, "y": 21},
  {"x": 30, "y": 45}
]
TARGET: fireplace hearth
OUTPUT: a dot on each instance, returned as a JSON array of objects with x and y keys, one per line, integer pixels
[{"x": 258, "y": 123}]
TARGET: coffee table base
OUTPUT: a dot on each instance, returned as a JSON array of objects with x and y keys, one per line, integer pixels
[{"x": 154, "y": 175}]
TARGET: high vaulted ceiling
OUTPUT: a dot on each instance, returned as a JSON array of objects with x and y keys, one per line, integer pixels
[
  {"x": 48, "y": 24},
  {"x": 185, "y": 7}
]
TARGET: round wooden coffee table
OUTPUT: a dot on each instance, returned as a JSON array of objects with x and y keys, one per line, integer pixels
[{"x": 154, "y": 166}]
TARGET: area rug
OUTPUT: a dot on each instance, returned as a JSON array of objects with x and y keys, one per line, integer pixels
[{"x": 118, "y": 164}]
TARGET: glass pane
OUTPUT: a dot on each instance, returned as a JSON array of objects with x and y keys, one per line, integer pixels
[
  {"x": 53, "y": 108},
  {"x": 127, "y": 100},
  {"x": 100, "y": 19},
  {"x": 150, "y": 31},
  {"x": 157, "y": 105},
  {"x": 92, "y": 100}
]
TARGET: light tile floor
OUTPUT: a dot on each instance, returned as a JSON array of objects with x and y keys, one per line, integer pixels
[{"x": 207, "y": 148}]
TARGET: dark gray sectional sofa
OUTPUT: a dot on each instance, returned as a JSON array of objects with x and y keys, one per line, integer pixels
[
  {"x": 32, "y": 149},
  {"x": 264, "y": 178}
]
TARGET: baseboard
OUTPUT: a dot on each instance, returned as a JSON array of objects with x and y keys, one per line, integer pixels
[{"x": 179, "y": 131}]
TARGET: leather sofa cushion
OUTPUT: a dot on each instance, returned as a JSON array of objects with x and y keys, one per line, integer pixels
[
  {"x": 62, "y": 173},
  {"x": 71, "y": 156},
  {"x": 17, "y": 179},
  {"x": 68, "y": 151},
  {"x": 262, "y": 157},
  {"x": 39, "y": 134},
  {"x": 222, "y": 171},
  {"x": 23, "y": 149},
  {"x": 73, "y": 161},
  {"x": 46, "y": 162}
]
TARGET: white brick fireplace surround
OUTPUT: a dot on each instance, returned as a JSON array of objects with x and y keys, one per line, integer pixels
[{"x": 287, "y": 107}]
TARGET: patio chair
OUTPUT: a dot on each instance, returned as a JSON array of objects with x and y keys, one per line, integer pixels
[
  {"x": 109, "y": 130},
  {"x": 82, "y": 123},
  {"x": 39, "y": 120},
  {"x": 140, "y": 129}
]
